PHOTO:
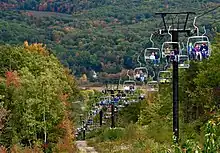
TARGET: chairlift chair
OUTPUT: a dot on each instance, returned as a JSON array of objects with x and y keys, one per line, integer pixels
[
  {"x": 152, "y": 86},
  {"x": 199, "y": 39},
  {"x": 183, "y": 61},
  {"x": 168, "y": 47},
  {"x": 164, "y": 77},
  {"x": 140, "y": 73},
  {"x": 148, "y": 52},
  {"x": 127, "y": 83},
  {"x": 194, "y": 40},
  {"x": 138, "y": 70}
]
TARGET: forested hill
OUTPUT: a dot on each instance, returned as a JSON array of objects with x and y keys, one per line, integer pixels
[{"x": 94, "y": 35}]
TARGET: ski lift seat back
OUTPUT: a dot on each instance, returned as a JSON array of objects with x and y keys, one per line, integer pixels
[
  {"x": 128, "y": 83},
  {"x": 140, "y": 70},
  {"x": 198, "y": 40},
  {"x": 194, "y": 39},
  {"x": 183, "y": 61},
  {"x": 148, "y": 52},
  {"x": 164, "y": 77},
  {"x": 169, "y": 47}
]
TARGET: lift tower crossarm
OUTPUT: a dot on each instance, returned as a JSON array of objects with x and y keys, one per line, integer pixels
[
  {"x": 175, "y": 34},
  {"x": 165, "y": 30}
]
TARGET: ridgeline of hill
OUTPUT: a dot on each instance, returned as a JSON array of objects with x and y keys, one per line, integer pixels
[{"x": 95, "y": 35}]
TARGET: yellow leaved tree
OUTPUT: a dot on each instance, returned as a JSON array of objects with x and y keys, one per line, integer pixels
[{"x": 36, "y": 47}]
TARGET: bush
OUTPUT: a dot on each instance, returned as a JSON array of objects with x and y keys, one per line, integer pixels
[{"x": 112, "y": 134}]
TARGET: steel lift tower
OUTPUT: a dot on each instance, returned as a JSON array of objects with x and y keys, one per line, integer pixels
[{"x": 180, "y": 26}]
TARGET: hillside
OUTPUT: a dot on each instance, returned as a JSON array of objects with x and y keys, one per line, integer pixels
[
  {"x": 42, "y": 109},
  {"x": 95, "y": 35},
  {"x": 145, "y": 126}
]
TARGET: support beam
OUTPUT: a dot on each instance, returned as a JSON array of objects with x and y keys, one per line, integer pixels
[
  {"x": 186, "y": 22},
  {"x": 100, "y": 117},
  {"x": 84, "y": 130},
  {"x": 175, "y": 91},
  {"x": 113, "y": 115},
  {"x": 163, "y": 16}
]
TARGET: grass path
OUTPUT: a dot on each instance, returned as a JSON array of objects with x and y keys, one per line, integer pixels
[{"x": 84, "y": 148}]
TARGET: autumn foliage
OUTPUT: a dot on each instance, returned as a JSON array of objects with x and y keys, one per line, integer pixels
[
  {"x": 65, "y": 144},
  {"x": 12, "y": 78},
  {"x": 36, "y": 47},
  {"x": 35, "y": 95}
]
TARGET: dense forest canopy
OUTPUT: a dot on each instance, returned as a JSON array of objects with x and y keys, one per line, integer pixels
[
  {"x": 36, "y": 91},
  {"x": 95, "y": 35}
]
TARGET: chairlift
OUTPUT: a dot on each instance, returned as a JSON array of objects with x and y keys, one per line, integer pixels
[
  {"x": 148, "y": 53},
  {"x": 164, "y": 77},
  {"x": 152, "y": 54},
  {"x": 168, "y": 48},
  {"x": 140, "y": 73},
  {"x": 152, "y": 86},
  {"x": 183, "y": 61},
  {"x": 198, "y": 40},
  {"x": 129, "y": 85}
]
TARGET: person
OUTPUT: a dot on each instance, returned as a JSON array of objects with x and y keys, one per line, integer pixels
[
  {"x": 131, "y": 88},
  {"x": 137, "y": 76},
  {"x": 167, "y": 54},
  {"x": 156, "y": 58},
  {"x": 172, "y": 55},
  {"x": 167, "y": 51},
  {"x": 152, "y": 57},
  {"x": 204, "y": 47},
  {"x": 176, "y": 51},
  {"x": 197, "y": 52},
  {"x": 142, "y": 77},
  {"x": 126, "y": 88},
  {"x": 190, "y": 50},
  {"x": 204, "y": 50}
]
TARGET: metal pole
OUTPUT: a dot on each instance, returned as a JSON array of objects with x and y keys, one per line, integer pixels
[
  {"x": 175, "y": 91},
  {"x": 80, "y": 119},
  {"x": 84, "y": 131},
  {"x": 113, "y": 115},
  {"x": 100, "y": 115}
]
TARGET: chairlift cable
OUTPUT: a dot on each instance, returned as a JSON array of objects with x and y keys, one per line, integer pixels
[{"x": 208, "y": 11}]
